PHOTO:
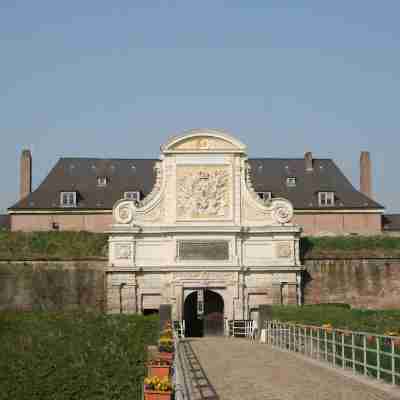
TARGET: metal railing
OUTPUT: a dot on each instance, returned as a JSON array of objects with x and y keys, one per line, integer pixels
[
  {"x": 181, "y": 379},
  {"x": 239, "y": 327},
  {"x": 179, "y": 328},
  {"x": 376, "y": 356}
]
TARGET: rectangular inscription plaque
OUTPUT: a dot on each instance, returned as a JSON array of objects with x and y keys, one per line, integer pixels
[{"x": 216, "y": 250}]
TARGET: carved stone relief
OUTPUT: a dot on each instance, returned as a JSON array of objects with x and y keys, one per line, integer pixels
[
  {"x": 157, "y": 185},
  {"x": 283, "y": 250},
  {"x": 122, "y": 251},
  {"x": 123, "y": 214},
  {"x": 203, "y": 143},
  {"x": 203, "y": 192},
  {"x": 282, "y": 211},
  {"x": 204, "y": 275}
]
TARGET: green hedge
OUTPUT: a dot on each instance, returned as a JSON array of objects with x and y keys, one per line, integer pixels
[
  {"x": 52, "y": 245},
  {"x": 68, "y": 356},
  {"x": 85, "y": 245},
  {"x": 379, "y": 246},
  {"x": 342, "y": 317}
]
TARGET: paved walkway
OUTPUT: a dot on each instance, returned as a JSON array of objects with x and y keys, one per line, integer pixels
[{"x": 239, "y": 370}]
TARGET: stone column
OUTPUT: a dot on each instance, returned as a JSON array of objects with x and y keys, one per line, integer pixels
[
  {"x": 131, "y": 294},
  {"x": 276, "y": 293},
  {"x": 177, "y": 310},
  {"x": 292, "y": 293}
]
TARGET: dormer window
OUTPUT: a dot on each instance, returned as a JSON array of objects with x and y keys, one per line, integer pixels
[
  {"x": 266, "y": 196},
  {"x": 135, "y": 196},
  {"x": 68, "y": 199},
  {"x": 291, "y": 181},
  {"x": 102, "y": 180},
  {"x": 326, "y": 199}
]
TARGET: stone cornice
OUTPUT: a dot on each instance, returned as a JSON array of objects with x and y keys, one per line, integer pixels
[{"x": 292, "y": 229}]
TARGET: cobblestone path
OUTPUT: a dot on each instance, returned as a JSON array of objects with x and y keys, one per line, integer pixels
[{"x": 239, "y": 370}]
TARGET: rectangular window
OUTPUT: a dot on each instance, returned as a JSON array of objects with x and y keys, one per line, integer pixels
[
  {"x": 135, "y": 196},
  {"x": 102, "y": 180},
  {"x": 291, "y": 181},
  {"x": 265, "y": 195},
  {"x": 326, "y": 199},
  {"x": 68, "y": 199}
]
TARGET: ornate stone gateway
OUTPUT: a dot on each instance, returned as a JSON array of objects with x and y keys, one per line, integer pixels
[
  {"x": 204, "y": 230},
  {"x": 204, "y": 313}
]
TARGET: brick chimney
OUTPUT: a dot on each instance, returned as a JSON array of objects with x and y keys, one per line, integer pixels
[
  {"x": 365, "y": 174},
  {"x": 25, "y": 174},
  {"x": 308, "y": 159}
]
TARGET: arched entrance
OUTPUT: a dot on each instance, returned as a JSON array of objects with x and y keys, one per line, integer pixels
[{"x": 211, "y": 323}]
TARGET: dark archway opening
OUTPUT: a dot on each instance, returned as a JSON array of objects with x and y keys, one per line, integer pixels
[
  {"x": 150, "y": 311},
  {"x": 211, "y": 323}
]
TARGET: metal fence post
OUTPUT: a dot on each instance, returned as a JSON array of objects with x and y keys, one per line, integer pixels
[
  {"x": 378, "y": 358},
  {"x": 353, "y": 353},
  {"x": 393, "y": 363},
  {"x": 343, "y": 355},
  {"x": 365, "y": 354},
  {"x": 334, "y": 347}
]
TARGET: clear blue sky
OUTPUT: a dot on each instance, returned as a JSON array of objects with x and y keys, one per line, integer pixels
[{"x": 116, "y": 78}]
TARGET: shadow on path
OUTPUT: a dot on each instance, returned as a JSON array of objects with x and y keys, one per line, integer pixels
[{"x": 201, "y": 387}]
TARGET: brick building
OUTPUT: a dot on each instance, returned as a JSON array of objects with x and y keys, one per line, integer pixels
[{"x": 79, "y": 193}]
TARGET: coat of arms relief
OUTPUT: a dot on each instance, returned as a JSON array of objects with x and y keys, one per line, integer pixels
[{"x": 203, "y": 192}]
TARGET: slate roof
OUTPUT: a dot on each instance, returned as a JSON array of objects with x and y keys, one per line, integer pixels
[
  {"x": 268, "y": 174},
  {"x": 391, "y": 222},
  {"x": 4, "y": 221}
]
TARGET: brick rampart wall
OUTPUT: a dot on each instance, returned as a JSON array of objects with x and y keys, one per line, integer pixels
[
  {"x": 38, "y": 285},
  {"x": 26, "y": 285},
  {"x": 363, "y": 283}
]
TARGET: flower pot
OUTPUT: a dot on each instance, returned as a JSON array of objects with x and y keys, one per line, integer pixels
[
  {"x": 154, "y": 395},
  {"x": 163, "y": 355},
  {"x": 159, "y": 370}
]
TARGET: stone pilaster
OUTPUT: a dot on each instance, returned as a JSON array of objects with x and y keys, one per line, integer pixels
[
  {"x": 292, "y": 293},
  {"x": 276, "y": 293}
]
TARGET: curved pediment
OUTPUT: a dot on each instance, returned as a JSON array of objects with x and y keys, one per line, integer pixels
[{"x": 204, "y": 140}]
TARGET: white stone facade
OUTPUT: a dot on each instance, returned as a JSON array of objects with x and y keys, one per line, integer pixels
[{"x": 203, "y": 227}]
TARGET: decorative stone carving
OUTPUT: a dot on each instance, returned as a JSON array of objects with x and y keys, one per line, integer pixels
[
  {"x": 124, "y": 212},
  {"x": 204, "y": 276},
  {"x": 284, "y": 250},
  {"x": 203, "y": 143},
  {"x": 203, "y": 192},
  {"x": 122, "y": 251},
  {"x": 282, "y": 211},
  {"x": 157, "y": 186},
  {"x": 250, "y": 188}
]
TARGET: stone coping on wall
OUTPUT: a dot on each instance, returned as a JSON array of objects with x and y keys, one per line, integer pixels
[
  {"x": 52, "y": 259},
  {"x": 349, "y": 255}
]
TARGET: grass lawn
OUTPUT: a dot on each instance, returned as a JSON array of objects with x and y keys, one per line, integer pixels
[{"x": 73, "y": 355}]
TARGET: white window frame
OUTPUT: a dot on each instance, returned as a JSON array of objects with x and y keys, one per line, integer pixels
[
  {"x": 102, "y": 181},
  {"x": 134, "y": 195},
  {"x": 265, "y": 195},
  {"x": 70, "y": 199},
  {"x": 291, "y": 181},
  {"x": 326, "y": 199}
]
